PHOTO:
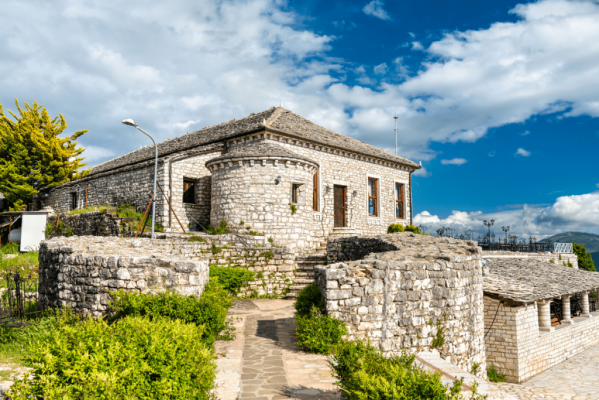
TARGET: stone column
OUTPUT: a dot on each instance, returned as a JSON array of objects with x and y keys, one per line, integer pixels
[
  {"x": 585, "y": 305},
  {"x": 566, "y": 316},
  {"x": 544, "y": 309}
]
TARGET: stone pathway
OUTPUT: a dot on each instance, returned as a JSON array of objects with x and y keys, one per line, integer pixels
[{"x": 264, "y": 363}]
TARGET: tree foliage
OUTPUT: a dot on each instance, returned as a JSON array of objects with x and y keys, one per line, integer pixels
[
  {"x": 33, "y": 156},
  {"x": 584, "y": 259}
]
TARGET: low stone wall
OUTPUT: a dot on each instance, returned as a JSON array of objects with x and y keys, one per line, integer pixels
[
  {"x": 518, "y": 349},
  {"x": 405, "y": 298},
  {"x": 88, "y": 224},
  {"x": 357, "y": 247},
  {"x": 80, "y": 272},
  {"x": 558, "y": 258}
]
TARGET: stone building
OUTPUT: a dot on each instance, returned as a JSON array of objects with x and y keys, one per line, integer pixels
[
  {"x": 537, "y": 314},
  {"x": 272, "y": 172}
]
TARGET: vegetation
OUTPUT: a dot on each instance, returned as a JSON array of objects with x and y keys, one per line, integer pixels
[
  {"x": 307, "y": 298},
  {"x": 232, "y": 279},
  {"x": 101, "y": 209},
  {"x": 134, "y": 358},
  {"x": 33, "y": 156},
  {"x": 220, "y": 229},
  {"x": 363, "y": 372},
  {"x": 196, "y": 239},
  {"x": 319, "y": 333},
  {"x": 210, "y": 310},
  {"x": 415, "y": 229},
  {"x": 393, "y": 228},
  {"x": 293, "y": 208},
  {"x": 24, "y": 263},
  {"x": 495, "y": 376},
  {"x": 584, "y": 259}
]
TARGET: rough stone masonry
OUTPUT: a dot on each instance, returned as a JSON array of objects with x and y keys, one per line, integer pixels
[
  {"x": 81, "y": 272},
  {"x": 420, "y": 288}
]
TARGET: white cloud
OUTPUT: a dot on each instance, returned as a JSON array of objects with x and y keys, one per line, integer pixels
[
  {"x": 380, "y": 69},
  {"x": 188, "y": 61},
  {"x": 422, "y": 172},
  {"x": 417, "y": 46},
  {"x": 491, "y": 154},
  {"x": 94, "y": 153},
  {"x": 525, "y": 133},
  {"x": 454, "y": 161},
  {"x": 522, "y": 152},
  {"x": 184, "y": 125},
  {"x": 568, "y": 213},
  {"x": 375, "y": 8},
  {"x": 598, "y": 186}
]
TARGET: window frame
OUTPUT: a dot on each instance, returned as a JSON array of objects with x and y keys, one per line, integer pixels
[
  {"x": 295, "y": 193},
  {"x": 315, "y": 192},
  {"x": 376, "y": 197},
  {"x": 402, "y": 186},
  {"x": 193, "y": 188}
]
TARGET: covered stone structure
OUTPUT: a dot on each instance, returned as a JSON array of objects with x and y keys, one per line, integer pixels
[
  {"x": 336, "y": 184},
  {"x": 520, "y": 338},
  {"x": 412, "y": 290}
]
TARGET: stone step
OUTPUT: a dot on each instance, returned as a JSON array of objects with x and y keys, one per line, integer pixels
[{"x": 299, "y": 281}]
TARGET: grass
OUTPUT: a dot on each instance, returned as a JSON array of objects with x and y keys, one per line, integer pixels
[
  {"x": 89, "y": 209},
  {"x": 25, "y": 263},
  {"x": 125, "y": 210}
]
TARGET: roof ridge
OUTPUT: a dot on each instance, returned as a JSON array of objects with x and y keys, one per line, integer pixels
[{"x": 275, "y": 115}]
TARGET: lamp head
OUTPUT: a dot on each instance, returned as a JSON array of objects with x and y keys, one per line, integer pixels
[{"x": 130, "y": 122}]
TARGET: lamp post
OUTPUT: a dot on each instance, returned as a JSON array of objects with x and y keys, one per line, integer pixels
[
  {"x": 488, "y": 225},
  {"x": 132, "y": 123}
]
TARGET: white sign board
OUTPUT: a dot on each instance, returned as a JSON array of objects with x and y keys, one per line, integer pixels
[{"x": 33, "y": 230}]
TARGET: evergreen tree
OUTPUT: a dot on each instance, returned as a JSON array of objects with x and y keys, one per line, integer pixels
[
  {"x": 584, "y": 259},
  {"x": 33, "y": 156}
]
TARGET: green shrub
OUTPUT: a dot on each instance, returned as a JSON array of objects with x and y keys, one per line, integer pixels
[
  {"x": 393, "y": 228},
  {"x": 495, "y": 376},
  {"x": 308, "y": 297},
  {"x": 364, "y": 373},
  {"x": 268, "y": 255},
  {"x": 439, "y": 339},
  {"x": 293, "y": 208},
  {"x": 195, "y": 238},
  {"x": 585, "y": 261},
  {"x": 210, "y": 310},
  {"x": 134, "y": 358},
  {"x": 231, "y": 278},
  {"x": 593, "y": 295},
  {"x": 220, "y": 229},
  {"x": 317, "y": 332},
  {"x": 215, "y": 250},
  {"x": 415, "y": 229},
  {"x": 552, "y": 262}
]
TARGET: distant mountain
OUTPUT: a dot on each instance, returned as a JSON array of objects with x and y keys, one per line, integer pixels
[
  {"x": 589, "y": 240},
  {"x": 595, "y": 257}
]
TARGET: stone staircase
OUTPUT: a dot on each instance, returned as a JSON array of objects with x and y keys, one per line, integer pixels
[{"x": 304, "y": 273}]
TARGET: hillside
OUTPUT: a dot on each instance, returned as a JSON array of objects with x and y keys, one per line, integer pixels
[{"x": 589, "y": 240}]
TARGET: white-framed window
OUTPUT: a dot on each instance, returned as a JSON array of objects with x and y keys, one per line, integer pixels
[
  {"x": 298, "y": 193},
  {"x": 399, "y": 199}
]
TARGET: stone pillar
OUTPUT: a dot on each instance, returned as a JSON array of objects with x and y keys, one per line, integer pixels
[
  {"x": 585, "y": 305},
  {"x": 544, "y": 309},
  {"x": 566, "y": 316}
]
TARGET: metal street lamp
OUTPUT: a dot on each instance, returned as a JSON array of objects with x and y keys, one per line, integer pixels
[{"x": 132, "y": 123}]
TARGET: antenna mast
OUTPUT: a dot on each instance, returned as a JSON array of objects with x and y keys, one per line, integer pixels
[{"x": 395, "y": 134}]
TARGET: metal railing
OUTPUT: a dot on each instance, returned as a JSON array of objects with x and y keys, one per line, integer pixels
[{"x": 564, "y": 248}]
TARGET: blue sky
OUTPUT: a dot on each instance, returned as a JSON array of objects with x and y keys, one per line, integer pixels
[{"x": 499, "y": 100}]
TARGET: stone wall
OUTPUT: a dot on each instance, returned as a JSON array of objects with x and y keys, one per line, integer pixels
[
  {"x": 80, "y": 272},
  {"x": 544, "y": 257},
  {"x": 89, "y": 224},
  {"x": 403, "y": 298},
  {"x": 517, "y": 348},
  {"x": 249, "y": 194}
]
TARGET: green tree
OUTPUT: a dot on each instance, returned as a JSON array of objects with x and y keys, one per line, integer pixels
[
  {"x": 584, "y": 259},
  {"x": 33, "y": 156}
]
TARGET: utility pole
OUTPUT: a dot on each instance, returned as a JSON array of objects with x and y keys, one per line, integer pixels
[{"x": 395, "y": 134}]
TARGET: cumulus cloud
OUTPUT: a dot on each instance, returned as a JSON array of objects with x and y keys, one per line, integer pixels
[
  {"x": 380, "y": 69},
  {"x": 163, "y": 65},
  {"x": 525, "y": 133},
  {"x": 417, "y": 46},
  {"x": 568, "y": 213},
  {"x": 522, "y": 152},
  {"x": 375, "y": 8},
  {"x": 422, "y": 172},
  {"x": 454, "y": 161}
]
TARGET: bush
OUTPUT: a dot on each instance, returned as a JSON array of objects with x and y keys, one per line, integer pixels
[
  {"x": 195, "y": 238},
  {"x": 231, "y": 278},
  {"x": 495, "y": 376},
  {"x": 210, "y": 310},
  {"x": 221, "y": 229},
  {"x": 319, "y": 333},
  {"x": 364, "y": 373},
  {"x": 308, "y": 297},
  {"x": 585, "y": 261},
  {"x": 415, "y": 229},
  {"x": 393, "y": 228},
  {"x": 134, "y": 358}
]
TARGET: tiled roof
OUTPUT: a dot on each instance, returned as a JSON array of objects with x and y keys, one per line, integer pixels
[
  {"x": 278, "y": 119},
  {"x": 260, "y": 149},
  {"x": 527, "y": 280}
]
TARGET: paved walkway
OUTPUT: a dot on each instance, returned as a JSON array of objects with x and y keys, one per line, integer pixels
[{"x": 264, "y": 363}]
